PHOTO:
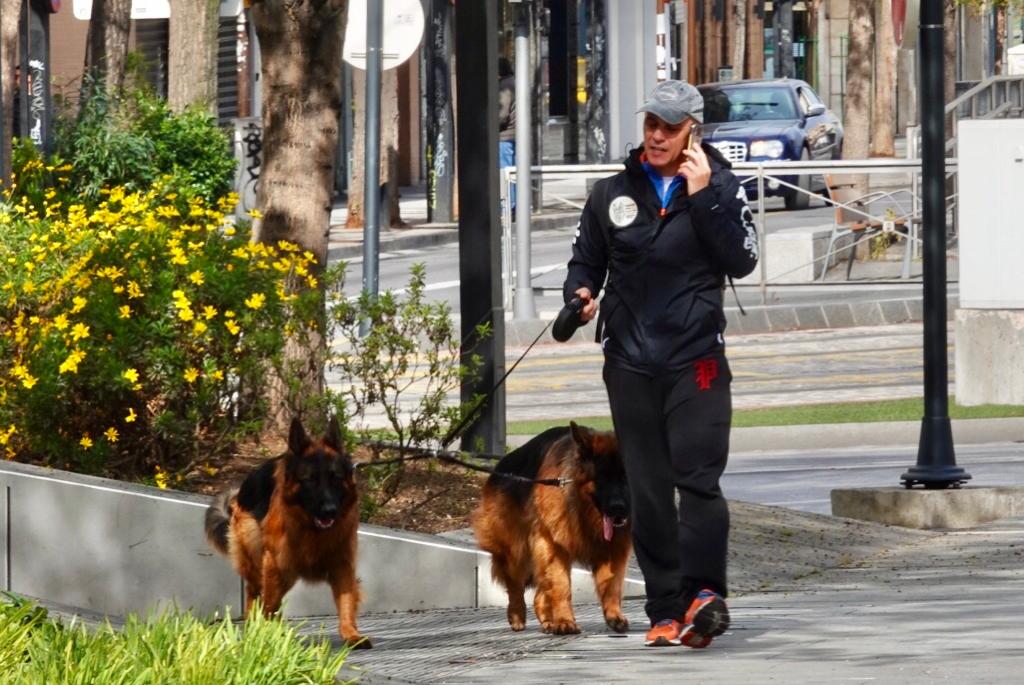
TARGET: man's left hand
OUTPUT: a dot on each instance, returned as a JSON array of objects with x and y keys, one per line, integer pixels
[{"x": 696, "y": 170}]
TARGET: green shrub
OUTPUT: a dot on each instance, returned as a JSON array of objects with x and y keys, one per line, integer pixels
[
  {"x": 132, "y": 138},
  {"x": 394, "y": 346},
  {"x": 172, "y": 647},
  {"x": 140, "y": 333}
]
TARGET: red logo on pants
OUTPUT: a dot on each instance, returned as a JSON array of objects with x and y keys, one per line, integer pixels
[{"x": 705, "y": 371}]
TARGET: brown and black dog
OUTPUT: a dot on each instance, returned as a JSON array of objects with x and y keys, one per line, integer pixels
[
  {"x": 536, "y": 532},
  {"x": 296, "y": 516}
]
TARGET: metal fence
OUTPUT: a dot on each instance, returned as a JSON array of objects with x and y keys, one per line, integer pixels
[{"x": 898, "y": 213}]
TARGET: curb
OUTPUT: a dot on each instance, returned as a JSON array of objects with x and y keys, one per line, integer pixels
[
  {"x": 876, "y": 434},
  {"x": 771, "y": 319},
  {"x": 348, "y": 243},
  {"x": 847, "y": 435}
]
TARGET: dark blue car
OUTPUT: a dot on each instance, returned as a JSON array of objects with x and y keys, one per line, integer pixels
[{"x": 770, "y": 120}]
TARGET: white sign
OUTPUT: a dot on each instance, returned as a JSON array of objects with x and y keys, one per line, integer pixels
[
  {"x": 152, "y": 9},
  {"x": 403, "y": 31}
]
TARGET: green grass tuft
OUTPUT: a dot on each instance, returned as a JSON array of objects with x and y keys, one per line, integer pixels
[{"x": 171, "y": 647}]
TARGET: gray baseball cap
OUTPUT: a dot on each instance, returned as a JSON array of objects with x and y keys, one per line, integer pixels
[{"x": 673, "y": 101}]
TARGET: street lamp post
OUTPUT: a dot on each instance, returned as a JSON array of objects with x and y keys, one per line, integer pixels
[{"x": 936, "y": 460}]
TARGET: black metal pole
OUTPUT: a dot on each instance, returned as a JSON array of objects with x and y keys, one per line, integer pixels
[
  {"x": 371, "y": 189},
  {"x": 476, "y": 64},
  {"x": 936, "y": 461}
]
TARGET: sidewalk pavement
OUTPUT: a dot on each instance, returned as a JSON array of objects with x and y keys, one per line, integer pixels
[{"x": 815, "y": 599}]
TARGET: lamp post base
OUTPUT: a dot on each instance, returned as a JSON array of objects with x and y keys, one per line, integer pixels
[{"x": 936, "y": 467}]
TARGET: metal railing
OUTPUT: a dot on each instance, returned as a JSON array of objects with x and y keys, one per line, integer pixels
[
  {"x": 990, "y": 99},
  {"x": 762, "y": 176}
]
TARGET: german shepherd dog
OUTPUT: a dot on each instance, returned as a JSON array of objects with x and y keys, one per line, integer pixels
[
  {"x": 294, "y": 517},
  {"x": 536, "y": 532}
]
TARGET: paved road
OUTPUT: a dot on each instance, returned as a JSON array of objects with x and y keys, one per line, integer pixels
[
  {"x": 803, "y": 480},
  {"x": 771, "y": 369}
]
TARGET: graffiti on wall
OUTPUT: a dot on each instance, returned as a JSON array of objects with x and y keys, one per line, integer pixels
[
  {"x": 37, "y": 101},
  {"x": 249, "y": 153}
]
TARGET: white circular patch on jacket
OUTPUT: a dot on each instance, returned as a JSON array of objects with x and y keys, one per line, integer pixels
[{"x": 622, "y": 211}]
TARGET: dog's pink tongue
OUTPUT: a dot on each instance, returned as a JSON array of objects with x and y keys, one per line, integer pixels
[{"x": 608, "y": 528}]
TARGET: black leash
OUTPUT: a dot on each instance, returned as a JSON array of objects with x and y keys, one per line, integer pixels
[
  {"x": 453, "y": 458},
  {"x": 443, "y": 454},
  {"x": 471, "y": 415}
]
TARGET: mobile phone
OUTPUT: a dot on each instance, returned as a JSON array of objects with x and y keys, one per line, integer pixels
[{"x": 695, "y": 136}]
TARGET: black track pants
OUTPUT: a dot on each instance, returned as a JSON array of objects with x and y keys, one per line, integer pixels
[{"x": 673, "y": 431}]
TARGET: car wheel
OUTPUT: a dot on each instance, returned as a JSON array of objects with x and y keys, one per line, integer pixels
[{"x": 796, "y": 199}]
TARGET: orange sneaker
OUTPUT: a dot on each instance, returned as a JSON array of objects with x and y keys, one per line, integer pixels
[
  {"x": 664, "y": 633},
  {"x": 707, "y": 618}
]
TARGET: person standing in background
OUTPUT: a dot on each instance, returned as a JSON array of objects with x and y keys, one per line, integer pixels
[{"x": 507, "y": 119}]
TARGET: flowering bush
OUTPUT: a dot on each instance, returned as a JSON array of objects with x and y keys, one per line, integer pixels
[{"x": 138, "y": 333}]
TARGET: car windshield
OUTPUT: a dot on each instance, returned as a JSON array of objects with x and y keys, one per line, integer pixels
[{"x": 747, "y": 104}]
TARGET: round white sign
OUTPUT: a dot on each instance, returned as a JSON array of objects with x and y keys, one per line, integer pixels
[
  {"x": 403, "y": 31},
  {"x": 622, "y": 211}
]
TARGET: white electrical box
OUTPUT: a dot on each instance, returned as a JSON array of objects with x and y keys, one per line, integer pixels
[{"x": 991, "y": 213}]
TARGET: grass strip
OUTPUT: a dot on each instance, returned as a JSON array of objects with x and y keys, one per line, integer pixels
[{"x": 807, "y": 414}]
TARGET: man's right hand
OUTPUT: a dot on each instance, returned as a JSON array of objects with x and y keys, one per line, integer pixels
[{"x": 589, "y": 304}]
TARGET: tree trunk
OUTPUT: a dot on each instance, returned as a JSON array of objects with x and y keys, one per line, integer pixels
[
  {"x": 857, "y": 107},
  {"x": 9, "y": 12},
  {"x": 739, "y": 46},
  {"x": 107, "y": 42},
  {"x": 301, "y": 45},
  {"x": 884, "y": 110},
  {"x": 389, "y": 120},
  {"x": 192, "y": 54}
]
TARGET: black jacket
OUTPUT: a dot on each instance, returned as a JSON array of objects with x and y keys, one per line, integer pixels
[{"x": 666, "y": 267}]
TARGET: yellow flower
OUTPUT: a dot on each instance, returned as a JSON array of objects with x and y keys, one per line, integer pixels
[
  {"x": 197, "y": 277},
  {"x": 256, "y": 214},
  {"x": 70, "y": 365},
  {"x": 130, "y": 418},
  {"x": 60, "y": 322},
  {"x": 217, "y": 375},
  {"x": 111, "y": 434},
  {"x": 191, "y": 374},
  {"x": 229, "y": 231},
  {"x": 131, "y": 375},
  {"x": 186, "y": 314},
  {"x": 160, "y": 478},
  {"x": 28, "y": 380},
  {"x": 229, "y": 314},
  {"x": 209, "y": 312},
  {"x": 79, "y": 331},
  {"x": 133, "y": 290},
  {"x": 86, "y": 441},
  {"x": 199, "y": 328},
  {"x": 125, "y": 311},
  {"x": 256, "y": 301},
  {"x": 80, "y": 303},
  {"x": 232, "y": 327}
]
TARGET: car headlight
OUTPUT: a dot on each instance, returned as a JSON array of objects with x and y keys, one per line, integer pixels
[{"x": 766, "y": 148}]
